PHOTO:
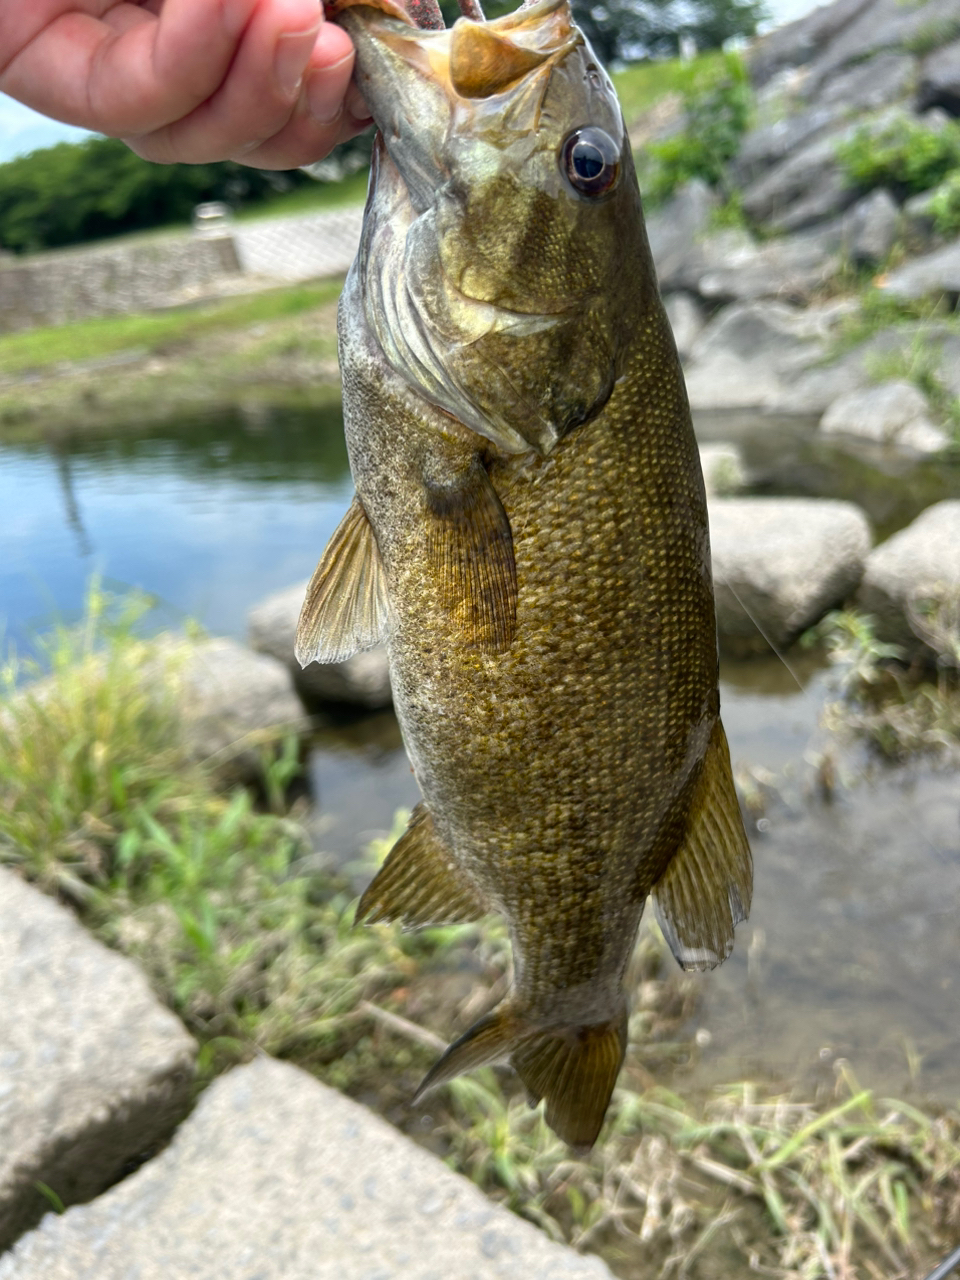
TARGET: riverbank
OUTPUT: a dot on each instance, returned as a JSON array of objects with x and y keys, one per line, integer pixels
[
  {"x": 277, "y": 346},
  {"x": 216, "y": 892}
]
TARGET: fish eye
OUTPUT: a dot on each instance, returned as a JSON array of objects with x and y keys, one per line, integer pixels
[{"x": 590, "y": 161}]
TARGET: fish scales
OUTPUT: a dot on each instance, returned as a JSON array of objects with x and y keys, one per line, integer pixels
[{"x": 538, "y": 562}]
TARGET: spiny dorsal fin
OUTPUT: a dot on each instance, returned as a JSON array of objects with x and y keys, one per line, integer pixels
[
  {"x": 420, "y": 883},
  {"x": 345, "y": 609},
  {"x": 573, "y": 1067},
  {"x": 706, "y": 889},
  {"x": 470, "y": 545}
]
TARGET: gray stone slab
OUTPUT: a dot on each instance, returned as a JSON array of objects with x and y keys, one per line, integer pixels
[
  {"x": 276, "y": 1177},
  {"x": 94, "y": 1072},
  {"x": 934, "y": 273}
]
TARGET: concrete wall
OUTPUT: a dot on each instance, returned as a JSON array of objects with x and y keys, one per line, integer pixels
[{"x": 139, "y": 275}]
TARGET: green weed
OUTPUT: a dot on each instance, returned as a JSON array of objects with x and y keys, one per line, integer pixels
[
  {"x": 907, "y": 156},
  {"x": 641, "y": 85},
  {"x": 945, "y": 205}
]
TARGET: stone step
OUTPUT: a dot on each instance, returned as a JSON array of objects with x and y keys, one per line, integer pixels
[
  {"x": 94, "y": 1072},
  {"x": 276, "y": 1177}
]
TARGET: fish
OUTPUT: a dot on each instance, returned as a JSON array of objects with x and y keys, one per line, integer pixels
[{"x": 529, "y": 539}]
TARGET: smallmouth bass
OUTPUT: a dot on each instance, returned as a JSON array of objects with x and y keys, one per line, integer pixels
[{"x": 529, "y": 537}]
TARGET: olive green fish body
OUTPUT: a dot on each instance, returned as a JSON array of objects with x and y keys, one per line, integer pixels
[{"x": 530, "y": 536}]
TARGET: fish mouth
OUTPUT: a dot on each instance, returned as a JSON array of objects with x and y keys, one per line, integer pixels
[{"x": 415, "y": 80}]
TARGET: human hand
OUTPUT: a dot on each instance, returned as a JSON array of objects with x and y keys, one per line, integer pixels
[{"x": 266, "y": 82}]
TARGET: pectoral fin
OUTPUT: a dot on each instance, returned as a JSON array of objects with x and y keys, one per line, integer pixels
[
  {"x": 345, "y": 609},
  {"x": 707, "y": 887},
  {"x": 420, "y": 883},
  {"x": 574, "y": 1068},
  {"x": 470, "y": 546}
]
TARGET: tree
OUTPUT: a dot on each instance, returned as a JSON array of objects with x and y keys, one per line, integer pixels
[{"x": 630, "y": 30}]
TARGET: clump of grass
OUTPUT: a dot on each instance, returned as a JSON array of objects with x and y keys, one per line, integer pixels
[
  {"x": 898, "y": 713},
  {"x": 907, "y": 156},
  {"x": 945, "y": 205}
]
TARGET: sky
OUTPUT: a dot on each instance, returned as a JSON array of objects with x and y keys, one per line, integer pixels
[{"x": 23, "y": 130}]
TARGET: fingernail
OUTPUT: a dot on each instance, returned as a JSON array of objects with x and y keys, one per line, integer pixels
[
  {"x": 356, "y": 106},
  {"x": 290, "y": 60},
  {"x": 324, "y": 91}
]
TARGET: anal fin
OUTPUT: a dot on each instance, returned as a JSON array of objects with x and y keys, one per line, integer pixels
[
  {"x": 706, "y": 889},
  {"x": 573, "y": 1068},
  {"x": 470, "y": 547},
  {"x": 345, "y": 609},
  {"x": 420, "y": 883}
]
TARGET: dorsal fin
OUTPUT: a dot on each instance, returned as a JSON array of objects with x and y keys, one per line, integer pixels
[
  {"x": 345, "y": 609},
  {"x": 706, "y": 889},
  {"x": 420, "y": 882}
]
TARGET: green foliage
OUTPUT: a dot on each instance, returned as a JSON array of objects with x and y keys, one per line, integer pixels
[
  {"x": 718, "y": 102},
  {"x": 75, "y": 192},
  {"x": 907, "y": 156},
  {"x": 945, "y": 205},
  {"x": 630, "y": 30}
]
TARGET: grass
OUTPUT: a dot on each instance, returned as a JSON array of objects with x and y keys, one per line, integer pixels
[
  {"x": 898, "y": 713},
  {"x": 641, "y": 85},
  {"x": 243, "y": 932},
  {"x": 93, "y": 339}
]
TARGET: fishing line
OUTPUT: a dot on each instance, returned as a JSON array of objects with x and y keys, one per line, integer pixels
[{"x": 946, "y": 1266}]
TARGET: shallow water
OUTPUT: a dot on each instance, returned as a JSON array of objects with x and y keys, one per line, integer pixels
[{"x": 853, "y": 942}]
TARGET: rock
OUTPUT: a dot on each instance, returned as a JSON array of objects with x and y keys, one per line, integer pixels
[
  {"x": 94, "y": 1072},
  {"x": 791, "y": 269},
  {"x": 918, "y": 565},
  {"x": 809, "y": 178},
  {"x": 919, "y": 222},
  {"x": 940, "y": 80},
  {"x": 276, "y": 1177},
  {"x": 767, "y": 145},
  {"x": 674, "y": 228},
  {"x": 798, "y": 42},
  {"x": 934, "y": 273},
  {"x": 880, "y": 26},
  {"x": 867, "y": 86},
  {"x": 723, "y": 469},
  {"x": 231, "y": 700},
  {"x": 686, "y": 320},
  {"x": 362, "y": 680},
  {"x": 752, "y": 353},
  {"x": 870, "y": 228},
  {"x": 781, "y": 563},
  {"x": 891, "y": 413}
]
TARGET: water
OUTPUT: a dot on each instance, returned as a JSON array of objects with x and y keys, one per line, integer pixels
[{"x": 852, "y": 945}]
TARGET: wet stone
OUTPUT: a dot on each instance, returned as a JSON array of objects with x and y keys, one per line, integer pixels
[
  {"x": 277, "y": 1177},
  {"x": 94, "y": 1072},
  {"x": 913, "y": 574},
  {"x": 363, "y": 680},
  {"x": 780, "y": 564},
  {"x": 891, "y": 413}
]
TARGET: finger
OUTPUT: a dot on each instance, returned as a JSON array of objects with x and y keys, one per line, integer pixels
[
  {"x": 261, "y": 94},
  {"x": 130, "y": 71}
]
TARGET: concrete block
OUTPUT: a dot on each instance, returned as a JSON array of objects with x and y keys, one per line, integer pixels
[
  {"x": 276, "y": 1177},
  {"x": 94, "y": 1072}
]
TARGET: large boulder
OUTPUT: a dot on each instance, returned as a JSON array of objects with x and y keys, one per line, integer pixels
[
  {"x": 870, "y": 228},
  {"x": 891, "y": 413},
  {"x": 363, "y": 680},
  {"x": 779, "y": 564},
  {"x": 866, "y": 86},
  {"x": 880, "y": 26},
  {"x": 911, "y": 576},
  {"x": 792, "y": 269},
  {"x": 768, "y": 144},
  {"x": 277, "y": 1177},
  {"x": 231, "y": 701},
  {"x": 797, "y": 43},
  {"x": 935, "y": 273},
  {"x": 94, "y": 1072},
  {"x": 940, "y": 80},
  {"x": 808, "y": 180},
  {"x": 674, "y": 229}
]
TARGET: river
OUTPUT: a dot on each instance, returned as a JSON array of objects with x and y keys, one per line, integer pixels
[{"x": 852, "y": 944}]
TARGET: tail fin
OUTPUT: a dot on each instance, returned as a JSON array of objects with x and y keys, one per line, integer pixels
[{"x": 573, "y": 1067}]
